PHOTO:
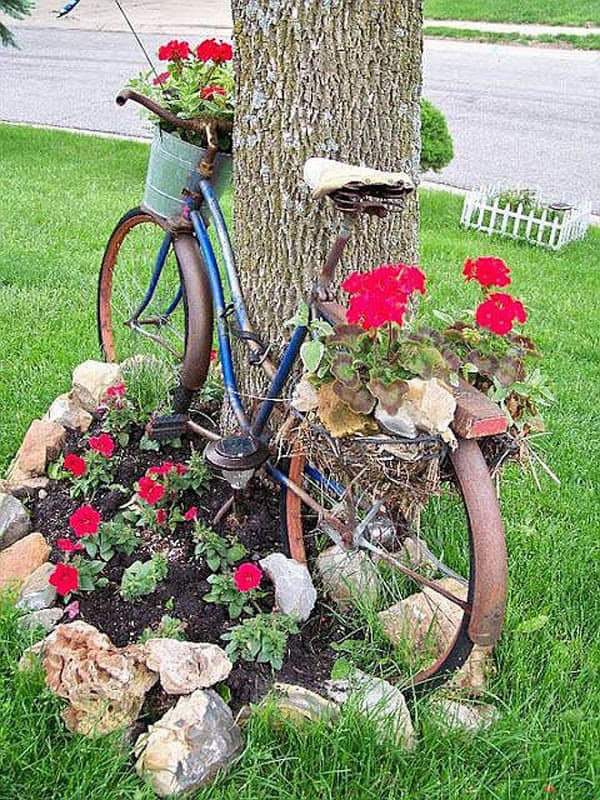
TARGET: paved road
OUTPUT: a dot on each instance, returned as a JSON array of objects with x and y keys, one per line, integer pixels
[{"x": 528, "y": 116}]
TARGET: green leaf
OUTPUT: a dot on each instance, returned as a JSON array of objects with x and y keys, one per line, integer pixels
[
  {"x": 123, "y": 438},
  {"x": 341, "y": 669},
  {"x": 532, "y": 624},
  {"x": 311, "y": 354}
]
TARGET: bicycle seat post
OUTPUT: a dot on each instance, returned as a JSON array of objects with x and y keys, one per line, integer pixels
[{"x": 322, "y": 290}]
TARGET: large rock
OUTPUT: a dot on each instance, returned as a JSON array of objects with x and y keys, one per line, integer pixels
[
  {"x": 299, "y": 704},
  {"x": 104, "y": 685},
  {"x": 91, "y": 380},
  {"x": 37, "y": 593},
  {"x": 14, "y": 520},
  {"x": 294, "y": 591},
  {"x": 66, "y": 411},
  {"x": 22, "y": 558},
  {"x": 47, "y": 618},
  {"x": 185, "y": 749},
  {"x": 456, "y": 716},
  {"x": 184, "y": 667},
  {"x": 426, "y": 622},
  {"x": 42, "y": 443},
  {"x": 347, "y": 575},
  {"x": 379, "y": 701}
]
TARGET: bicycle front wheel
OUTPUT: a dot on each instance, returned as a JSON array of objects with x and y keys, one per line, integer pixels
[
  {"x": 464, "y": 538},
  {"x": 154, "y": 302}
]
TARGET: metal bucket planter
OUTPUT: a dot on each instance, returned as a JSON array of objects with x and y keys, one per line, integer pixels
[{"x": 172, "y": 161}]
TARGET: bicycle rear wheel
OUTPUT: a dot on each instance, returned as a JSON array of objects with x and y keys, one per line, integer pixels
[
  {"x": 154, "y": 303},
  {"x": 464, "y": 533}
]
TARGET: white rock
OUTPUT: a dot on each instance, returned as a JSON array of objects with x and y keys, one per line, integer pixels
[
  {"x": 294, "y": 591},
  {"x": 46, "y": 618},
  {"x": 67, "y": 412},
  {"x": 347, "y": 574},
  {"x": 379, "y": 701},
  {"x": 462, "y": 716},
  {"x": 431, "y": 406},
  {"x": 14, "y": 520},
  {"x": 184, "y": 667},
  {"x": 304, "y": 397},
  {"x": 36, "y": 593},
  {"x": 91, "y": 380},
  {"x": 185, "y": 749},
  {"x": 400, "y": 423}
]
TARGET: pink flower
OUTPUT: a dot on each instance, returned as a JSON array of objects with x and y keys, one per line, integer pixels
[
  {"x": 191, "y": 514},
  {"x": 161, "y": 516},
  {"x": 162, "y": 78},
  {"x": 72, "y": 610},
  {"x": 213, "y": 355},
  {"x": 117, "y": 390},
  {"x": 162, "y": 469},
  {"x": 247, "y": 577}
]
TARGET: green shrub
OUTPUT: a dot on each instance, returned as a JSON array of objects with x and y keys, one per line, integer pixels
[{"x": 437, "y": 150}]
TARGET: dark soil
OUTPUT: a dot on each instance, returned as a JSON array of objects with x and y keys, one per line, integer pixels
[{"x": 254, "y": 519}]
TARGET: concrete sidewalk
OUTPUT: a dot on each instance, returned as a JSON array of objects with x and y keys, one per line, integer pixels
[{"x": 510, "y": 27}]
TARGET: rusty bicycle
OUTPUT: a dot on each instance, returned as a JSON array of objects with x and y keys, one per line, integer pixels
[{"x": 161, "y": 291}]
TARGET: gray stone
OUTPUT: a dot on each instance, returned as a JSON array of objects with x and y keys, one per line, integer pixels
[
  {"x": 469, "y": 717},
  {"x": 379, "y": 701},
  {"x": 294, "y": 591},
  {"x": 14, "y": 520},
  {"x": 186, "y": 748},
  {"x": 91, "y": 380},
  {"x": 347, "y": 575},
  {"x": 184, "y": 667},
  {"x": 37, "y": 593},
  {"x": 67, "y": 412},
  {"x": 47, "y": 618}
]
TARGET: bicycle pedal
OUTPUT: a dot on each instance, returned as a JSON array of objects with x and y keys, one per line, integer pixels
[{"x": 169, "y": 426}]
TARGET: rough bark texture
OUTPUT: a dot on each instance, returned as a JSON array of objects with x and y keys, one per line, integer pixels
[{"x": 331, "y": 78}]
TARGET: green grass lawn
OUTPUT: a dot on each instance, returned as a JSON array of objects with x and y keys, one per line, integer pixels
[
  {"x": 59, "y": 197},
  {"x": 552, "y": 12},
  {"x": 565, "y": 40}
]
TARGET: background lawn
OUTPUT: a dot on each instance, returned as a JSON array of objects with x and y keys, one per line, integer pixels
[
  {"x": 59, "y": 197},
  {"x": 553, "y": 12}
]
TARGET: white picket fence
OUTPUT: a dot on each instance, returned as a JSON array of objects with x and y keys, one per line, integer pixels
[{"x": 552, "y": 228}]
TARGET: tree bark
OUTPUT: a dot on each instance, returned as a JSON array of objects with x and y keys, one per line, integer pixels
[{"x": 332, "y": 78}]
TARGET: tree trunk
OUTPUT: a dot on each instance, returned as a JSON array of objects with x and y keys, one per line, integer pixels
[{"x": 332, "y": 78}]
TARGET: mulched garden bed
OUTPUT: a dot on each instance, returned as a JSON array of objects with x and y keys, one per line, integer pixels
[{"x": 254, "y": 520}]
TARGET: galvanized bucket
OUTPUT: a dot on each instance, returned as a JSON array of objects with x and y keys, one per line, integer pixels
[{"x": 172, "y": 161}]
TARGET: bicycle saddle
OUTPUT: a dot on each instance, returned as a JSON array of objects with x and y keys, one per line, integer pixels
[{"x": 326, "y": 176}]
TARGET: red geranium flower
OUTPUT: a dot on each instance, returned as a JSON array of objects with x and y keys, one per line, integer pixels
[
  {"x": 247, "y": 577},
  {"x": 67, "y": 546},
  {"x": 85, "y": 521},
  {"x": 75, "y": 465},
  {"x": 213, "y": 355},
  {"x": 411, "y": 279},
  {"x": 161, "y": 516},
  {"x": 65, "y": 579},
  {"x": 103, "y": 444},
  {"x": 181, "y": 469},
  {"x": 163, "y": 469},
  {"x": 150, "y": 491},
  {"x": 209, "y": 92},
  {"x": 117, "y": 390},
  {"x": 380, "y": 296},
  {"x": 498, "y": 312},
  {"x": 211, "y": 50},
  {"x": 487, "y": 271},
  {"x": 174, "y": 51},
  {"x": 191, "y": 514},
  {"x": 161, "y": 79}
]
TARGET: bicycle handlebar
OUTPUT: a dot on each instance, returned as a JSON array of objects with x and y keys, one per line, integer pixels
[{"x": 198, "y": 124}]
